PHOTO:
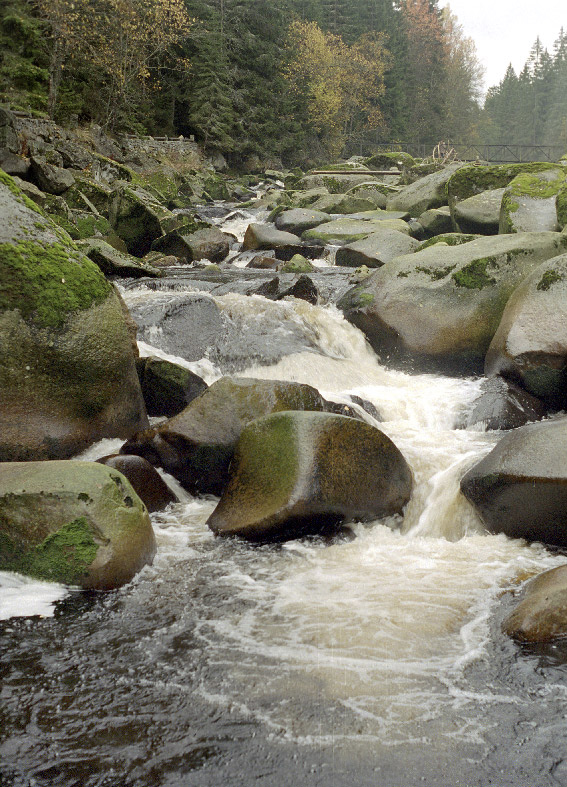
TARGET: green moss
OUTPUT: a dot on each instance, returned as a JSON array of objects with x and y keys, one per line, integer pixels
[
  {"x": 474, "y": 276},
  {"x": 297, "y": 264},
  {"x": 470, "y": 180},
  {"x": 47, "y": 282},
  {"x": 530, "y": 185},
  {"x": 334, "y": 185},
  {"x": 7, "y": 181},
  {"x": 64, "y": 556},
  {"x": 448, "y": 238},
  {"x": 436, "y": 273},
  {"x": 403, "y": 274},
  {"x": 548, "y": 279}
]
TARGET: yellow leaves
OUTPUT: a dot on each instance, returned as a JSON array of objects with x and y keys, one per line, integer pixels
[{"x": 340, "y": 84}]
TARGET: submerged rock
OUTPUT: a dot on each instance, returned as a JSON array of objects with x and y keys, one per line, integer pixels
[
  {"x": 79, "y": 523},
  {"x": 520, "y": 488},
  {"x": 438, "y": 309},
  {"x": 145, "y": 479},
  {"x": 296, "y": 473},
  {"x": 502, "y": 405},
  {"x": 197, "y": 445},
  {"x": 67, "y": 370},
  {"x": 541, "y": 616}
]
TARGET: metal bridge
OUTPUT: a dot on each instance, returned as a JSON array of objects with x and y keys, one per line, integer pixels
[{"x": 498, "y": 154}]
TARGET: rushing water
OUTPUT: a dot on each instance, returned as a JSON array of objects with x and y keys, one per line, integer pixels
[{"x": 375, "y": 658}]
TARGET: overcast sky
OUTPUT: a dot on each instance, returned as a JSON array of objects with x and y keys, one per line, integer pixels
[{"x": 504, "y": 30}]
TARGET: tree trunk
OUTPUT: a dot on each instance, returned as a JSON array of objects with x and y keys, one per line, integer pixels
[{"x": 55, "y": 74}]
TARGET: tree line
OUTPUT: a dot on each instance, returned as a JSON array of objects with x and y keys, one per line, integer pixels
[{"x": 280, "y": 78}]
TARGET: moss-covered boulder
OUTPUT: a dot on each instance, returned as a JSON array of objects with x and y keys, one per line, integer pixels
[
  {"x": 266, "y": 236},
  {"x": 87, "y": 191},
  {"x": 78, "y": 523},
  {"x": 197, "y": 445},
  {"x": 438, "y": 309},
  {"x": 425, "y": 193},
  {"x": 304, "y": 198},
  {"x": 529, "y": 202},
  {"x": 530, "y": 345},
  {"x": 144, "y": 478},
  {"x": 343, "y": 203},
  {"x": 297, "y": 264},
  {"x": 137, "y": 217},
  {"x": 473, "y": 179},
  {"x": 520, "y": 488},
  {"x": 338, "y": 183},
  {"x": 541, "y": 615},
  {"x": 561, "y": 207},
  {"x": 67, "y": 370},
  {"x": 479, "y": 214},
  {"x": 436, "y": 221},
  {"x": 301, "y": 472},
  {"x": 115, "y": 263},
  {"x": 448, "y": 239},
  {"x": 375, "y": 250},
  {"x": 49, "y": 178},
  {"x": 167, "y": 387},
  {"x": 390, "y": 159},
  {"x": 342, "y": 231}
]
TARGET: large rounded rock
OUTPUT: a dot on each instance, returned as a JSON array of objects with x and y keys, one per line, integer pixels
[
  {"x": 67, "y": 370},
  {"x": 438, "y": 309},
  {"x": 377, "y": 249},
  {"x": 145, "y": 479},
  {"x": 197, "y": 445},
  {"x": 295, "y": 473},
  {"x": 299, "y": 219},
  {"x": 115, "y": 263},
  {"x": 79, "y": 523},
  {"x": 520, "y": 488},
  {"x": 343, "y": 231},
  {"x": 425, "y": 193},
  {"x": 265, "y": 236},
  {"x": 541, "y": 615},
  {"x": 51, "y": 179},
  {"x": 501, "y": 405},
  {"x": 529, "y": 202},
  {"x": 479, "y": 213},
  {"x": 137, "y": 218},
  {"x": 167, "y": 387},
  {"x": 343, "y": 203},
  {"x": 530, "y": 345},
  {"x": 473, "y": 179}
]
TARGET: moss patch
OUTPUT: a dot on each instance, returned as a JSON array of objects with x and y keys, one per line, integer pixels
[
  {"x": 436, "y": 273},
  {"x": 470, "y": 180},
  {"x": 47, "y": 282},
  {"x": 7, "y": 181},
  {"x": 474, "y": 276},
  {"x": 448, "y": 238},
  {"x": 548, "y": 279},
  {"x": 64, "y": 556}
]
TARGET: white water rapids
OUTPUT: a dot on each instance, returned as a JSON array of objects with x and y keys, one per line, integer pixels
[{"x": 363, "y": 641}]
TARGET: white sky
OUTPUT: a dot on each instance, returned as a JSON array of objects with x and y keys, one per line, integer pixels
[{"x": 504, "y": 30}]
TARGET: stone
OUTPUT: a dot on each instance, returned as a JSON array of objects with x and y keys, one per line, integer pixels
[
  {"x": 541, "y": 615},
  {"x": 145, "y": 480},
  {"x": 137, "y": 218},
  {"x": 9, "y": 138},
  {"x": 98, "y": 195},
  {"x": 297, "y": 264},
  {"x": 530, "y": 345},
  {"x": 78, "y": 523},
  {"x": 501, "y": 405},
  {"x": 167, "y": 387},
  {"x": 115, "y": 263},
  {"x": 425, "y": 193},
  {"x": 12, "y": 164},
  {"x": 376, "y": 249},
  {"x": 263, "y": 263},
  {"x": 296, "y": 473},
  {"x": 388, "y": 159},
  {"x": 343, "y": 231},
  {"x": 67, "y": 370},
  {"x": 304, "y": 198},
  {"x": 197, "y": 445},
  {"x": 529, "y": 202},
  {"x": 439, "y": 308},
  {"x": 448, "y": 239},
  {"x": 341, "y": 203},
  {"x": 338, "y": 183},
  {"x": 51, "y": 179},
  {"x": 297, "y": 220},
  {"x": 208, "y": 243},
  {"x": 373, "y": 192},
  {"x": 303, "y": 289},
  {"x": 312, "y": 251},
  {"x": 436, "y": 221},
  {"x": 73, "y": 155},
  {"x": 265, "y": 236},
  {"x": 31, "y": 191},
  {"x": 480, "y": 213},
  {"x": 520, "y": 488}
]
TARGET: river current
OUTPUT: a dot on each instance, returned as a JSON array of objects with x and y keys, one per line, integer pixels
[{"x": 373, "y": 658}]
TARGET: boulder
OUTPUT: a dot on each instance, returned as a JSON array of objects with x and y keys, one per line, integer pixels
[
  {"x": 208, "y": 243},
  {"x": 67, "y": 371},
  {"x": 438, "y": 309},
  {"x": 312, "y": 251},
  {"x": 343, "y": 231},
  {"x": 303, "y": 289},
  {"x": 472, "y": 179},
  {"x": 375, "y": 250},
  {"x": 388, "y": 159},
  {"x": 295, "y": 473},
  {"x": 304, "y": 198},
  {"x": 78, "y": 523},
  {"x": 479, "y": 213},
  {"x": 9, "y": 138},
  {"x": 520, "y": 488},
  {"x": 501, "y": 405},
  {"x": 297, "y": 264},
  {"x": 530, "y": 345},
  {"x": 113, "y": 262},
  {"x": 31, "y": 191},
  {"x": 197, "y": 445},
  {"x": 263, "y": 263},
  {"x": 73, "y": 155},
  {"x": 425, "y": 193},
  {"x": 541, "y": 615},
  {"x": 338, "y": 183},
  {"x": 266, "y": 236},
  {"x": 448, "y": 239},
  {"x": 12, "y": 164},
  {"x": 529, "y": 202},
  {"x": 167, "y": 387},
  {"x": 297, "y": 220},
  {"x": 53, "y": 180},
  {"x": 561, "y": 207},
  {"x": 137, "y": 218},
  {"x": 436, "y": 221},
  {"x": 374, "y": 192},
  {"x": 86, "y": 191},
  {"x": 342, "y": 203},
  {"x": 145, "y": 480}
]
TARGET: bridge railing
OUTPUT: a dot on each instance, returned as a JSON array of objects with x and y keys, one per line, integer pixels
[{"x": 499, "y": 154}]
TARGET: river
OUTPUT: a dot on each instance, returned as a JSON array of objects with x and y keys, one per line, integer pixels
[{"x": 372, "y": 658}]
